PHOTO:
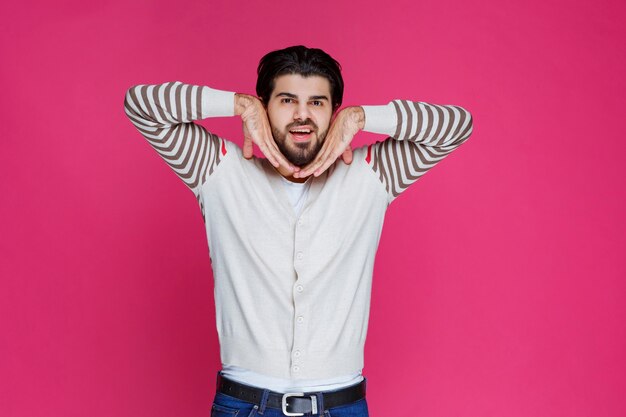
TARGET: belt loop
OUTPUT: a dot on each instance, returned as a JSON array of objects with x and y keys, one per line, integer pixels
[
  {"x": 217, "y": 381},
  {"x": 320, "y": 403},
  {"x": 264, "y": 397}
]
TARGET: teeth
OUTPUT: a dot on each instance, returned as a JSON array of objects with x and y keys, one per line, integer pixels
[{"x": 302, "y": 131}]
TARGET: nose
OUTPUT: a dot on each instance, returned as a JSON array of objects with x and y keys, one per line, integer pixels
[{"x": 302, "y": 111}]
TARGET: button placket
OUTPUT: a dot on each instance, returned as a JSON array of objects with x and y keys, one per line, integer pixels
[{"x": 298, "y": 351}]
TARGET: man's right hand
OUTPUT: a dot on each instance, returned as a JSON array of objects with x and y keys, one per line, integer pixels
[{"x": 256, "y": 128}]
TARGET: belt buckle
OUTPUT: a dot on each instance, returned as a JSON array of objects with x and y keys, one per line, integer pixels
[{"x": 298, "y": 394}]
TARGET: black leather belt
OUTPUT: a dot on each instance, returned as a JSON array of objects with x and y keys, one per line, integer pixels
[{"x": 291, "y": 404}]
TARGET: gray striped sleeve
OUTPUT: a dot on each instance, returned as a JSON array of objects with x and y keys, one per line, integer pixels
[
  {"x": 164, "y": 115},
  {"x": 420, "y": 136}
]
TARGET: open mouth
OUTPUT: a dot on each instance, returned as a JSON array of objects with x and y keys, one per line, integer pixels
[{"x": 301, "y": 134}]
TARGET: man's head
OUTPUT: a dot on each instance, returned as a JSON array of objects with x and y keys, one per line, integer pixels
[{"x": 300, "y": 88}]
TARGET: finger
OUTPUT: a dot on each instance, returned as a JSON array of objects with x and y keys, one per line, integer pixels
[
  {"x": 315, "y": 163},
  {"x": 326, "y": 153},
  {"x": 247, "y": 142},
  {"x": 268, "y": 154},
  {"x": 264, "y": 139},
  {"x": 273, "y": 154},
  {"x": 347, "y": 155},
  {"x": 311, "y": 166},
  {"x": 247, "y": 148},
  {"x": 332, "y": 156},
  {"x": 282, "y": 161},
  {"x": 328, "y": 162},
  {"x": 278, "y": 155}
]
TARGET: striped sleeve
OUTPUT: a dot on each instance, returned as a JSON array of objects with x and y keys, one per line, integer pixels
[
  {"x": 420, "y": 136},
  {"x": 164, "y": 114}
]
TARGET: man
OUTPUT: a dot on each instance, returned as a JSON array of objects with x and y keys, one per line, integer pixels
[{"x": 293, "y": 236}]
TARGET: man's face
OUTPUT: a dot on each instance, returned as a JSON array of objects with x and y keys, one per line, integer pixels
[{"x": 299, "y": 112}]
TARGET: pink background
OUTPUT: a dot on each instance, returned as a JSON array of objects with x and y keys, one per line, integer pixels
[{"x": 499, "y": 287}]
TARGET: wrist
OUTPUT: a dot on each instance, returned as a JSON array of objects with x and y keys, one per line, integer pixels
[
  {"x": 358, "y": 115},
  {"x": 242, "y": 102}
]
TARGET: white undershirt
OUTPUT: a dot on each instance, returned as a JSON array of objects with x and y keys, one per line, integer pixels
[{"x": 297, "y": 193}]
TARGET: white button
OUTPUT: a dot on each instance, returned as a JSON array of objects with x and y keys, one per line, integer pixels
[
  {"x": 299, "y": 288},
  {"x": 296, "y": 368},
  {"x": 300, "y": 319},
  {"x": 300, "y": 222},
  {"x": 296, "y": 353},
  {"x": 299, "y": 255}
]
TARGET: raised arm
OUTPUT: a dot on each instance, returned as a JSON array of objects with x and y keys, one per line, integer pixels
[
  {"x": 164, "y": 115},
  {"x": 420, "y": 136}
]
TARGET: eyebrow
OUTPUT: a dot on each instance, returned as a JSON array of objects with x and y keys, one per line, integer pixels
[{"x": 284, "y": 94}]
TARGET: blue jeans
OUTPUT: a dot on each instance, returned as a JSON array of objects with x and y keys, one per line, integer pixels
[{"x": 227, "y": 406}]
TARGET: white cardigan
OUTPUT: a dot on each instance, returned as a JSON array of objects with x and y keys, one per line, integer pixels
[{"x": 292, "y": 294}]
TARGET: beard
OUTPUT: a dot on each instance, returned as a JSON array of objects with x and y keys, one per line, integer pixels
[{"x": 299, "y": 153}]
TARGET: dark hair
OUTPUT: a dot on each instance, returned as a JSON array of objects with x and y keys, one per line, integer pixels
[{"x": 299, "y": 60}]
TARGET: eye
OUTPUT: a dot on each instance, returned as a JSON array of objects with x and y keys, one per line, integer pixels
[
  {"x": 316, "y": 102},
  {"x": 286, "y": 100}
]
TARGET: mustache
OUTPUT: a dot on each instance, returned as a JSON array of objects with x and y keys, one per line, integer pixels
[{"x": 307, "y": 122}]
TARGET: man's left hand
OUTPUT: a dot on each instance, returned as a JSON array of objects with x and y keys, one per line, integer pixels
[{"x": 346, "y": 124}]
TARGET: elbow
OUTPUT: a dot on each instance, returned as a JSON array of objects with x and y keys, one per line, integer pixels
[
  {"x": 130, "y": 103},
  {"x": 130, "y": 94},
  {"x": 462, "y": 131},
  {"x": 467, "y": 128}
]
